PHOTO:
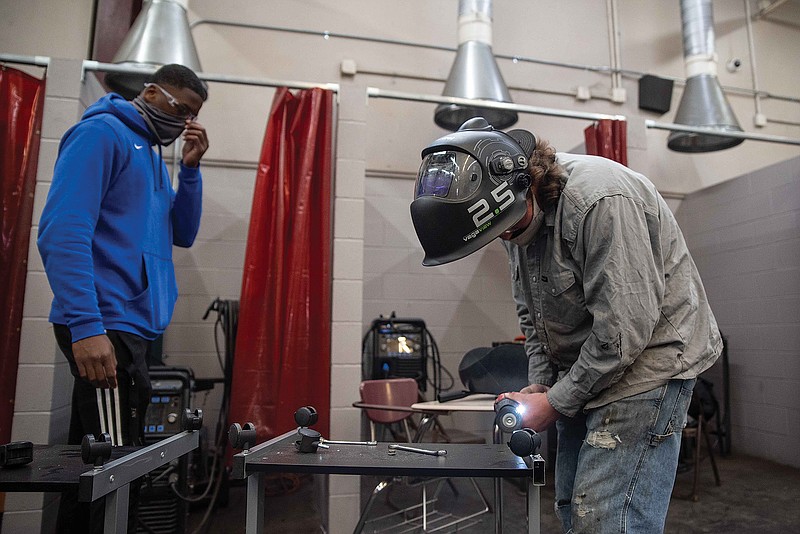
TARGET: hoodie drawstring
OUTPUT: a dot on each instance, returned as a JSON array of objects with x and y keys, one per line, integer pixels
[{"x": 158, "y": 182}]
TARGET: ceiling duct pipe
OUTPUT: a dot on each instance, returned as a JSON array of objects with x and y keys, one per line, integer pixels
[
  {"x": 474, "y": 73},
  {"x": 160, "y": 35},
  {"x": 703, "y": 103}
]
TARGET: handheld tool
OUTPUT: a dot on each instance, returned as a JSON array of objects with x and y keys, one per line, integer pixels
[{"x": 395, "y": 447}]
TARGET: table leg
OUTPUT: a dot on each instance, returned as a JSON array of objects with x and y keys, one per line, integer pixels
[
  {"x": 255, "y": 504},
  {"x": 116, "y": 517},
  {"x": 497, "y": 437},
  {"x": 424, "y": 507},
  {"x": 534, "y": 508}
]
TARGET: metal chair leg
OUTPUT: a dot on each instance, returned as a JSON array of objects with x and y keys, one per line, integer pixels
[
  {"x": 362, "y": 520},
  {"x": 711, "y": 455}
]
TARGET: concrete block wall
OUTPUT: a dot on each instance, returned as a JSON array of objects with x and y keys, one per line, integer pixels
[
  {"x": 344, "y": 504},
  {"x": 744, "y": 235},
  {"x": 44, "y": 384},
  {"x": 211, "y": 268},
  {"x": 465, "y": 304}
]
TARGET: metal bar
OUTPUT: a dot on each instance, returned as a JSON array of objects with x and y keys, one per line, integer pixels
[
  {"x": 763, "y": 12},
  {"x": 117, "y": 473},
  {"x": 534, "y": 509},
  {"x": 117, "y": 422},
  {"x": 424, "y": 507},
  {"x": 324, "y": 34},
  {"x": 101, "y": 410},
  {"x": 711, "y": 131},
  {"x": 394, "y": 446},
  {"x": 90, "y": 65},
  {"x": 324, "y": 441},
  {"x": 752, "y": 50},
  {"x": 497, "y": 437},
  {"x": 514, "y": 58},
  {"x": 116, "y": 507},
  {"x": 375, "y": 92},
  {"x": 39, "y": 61},
  {"x": 787, "y": 123},
  {"x": 255, "y": 504}
]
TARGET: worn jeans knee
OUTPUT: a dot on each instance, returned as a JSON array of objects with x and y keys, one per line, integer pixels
[{"x": 625, "y": 468}]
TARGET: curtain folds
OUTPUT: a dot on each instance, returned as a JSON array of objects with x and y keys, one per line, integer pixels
[
  {"x": 282, "y": 359},
  {"x": 21, "y": 104},
  {"x": 609, "y": 139}
]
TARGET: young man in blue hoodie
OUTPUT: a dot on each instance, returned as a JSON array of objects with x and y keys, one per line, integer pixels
[{"x": 106, "y": 236}]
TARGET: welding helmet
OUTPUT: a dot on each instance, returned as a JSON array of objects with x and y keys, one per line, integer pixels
[{"x": 471, "y": 187}]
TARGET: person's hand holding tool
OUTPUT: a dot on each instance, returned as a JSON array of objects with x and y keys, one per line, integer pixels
[
  {"x": 96, "y": 361},
  {"x": 538, "y": 413}
]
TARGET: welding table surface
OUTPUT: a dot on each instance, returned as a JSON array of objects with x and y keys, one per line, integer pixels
[
  {"x": 462, "y": 460},
  {"x": 54, "y": 468}
]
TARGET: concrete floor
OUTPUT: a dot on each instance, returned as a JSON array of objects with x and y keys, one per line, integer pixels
[{"x": 756, "y": 496}]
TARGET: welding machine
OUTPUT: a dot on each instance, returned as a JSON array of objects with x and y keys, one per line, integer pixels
[
  {"x": 161, "y": 510},
  {"x": 396, "y": 348}
]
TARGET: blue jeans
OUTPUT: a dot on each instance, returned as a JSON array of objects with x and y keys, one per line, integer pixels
[{"x": 616, "y": 464}]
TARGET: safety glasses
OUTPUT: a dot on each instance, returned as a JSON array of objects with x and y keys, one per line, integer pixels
[{"x": 181, "y": 110}]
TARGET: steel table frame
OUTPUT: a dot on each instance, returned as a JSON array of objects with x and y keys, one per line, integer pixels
[
  {"x": 279, "y": 455},
  {"x": 480, "y": 402},
  {"x": 112, "y": 480}
]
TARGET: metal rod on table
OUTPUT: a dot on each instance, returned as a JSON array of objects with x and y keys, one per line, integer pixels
[
  {"x": 335, "y": 442},
  {"x": 394, "y": 446}
]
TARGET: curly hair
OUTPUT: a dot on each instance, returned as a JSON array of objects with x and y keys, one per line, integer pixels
[
  {"x": 180, "y": 76},
  {"x": 546, "y": 173}
]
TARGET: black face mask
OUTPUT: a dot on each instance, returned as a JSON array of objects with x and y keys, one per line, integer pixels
[{"x": 165, "y": 127}]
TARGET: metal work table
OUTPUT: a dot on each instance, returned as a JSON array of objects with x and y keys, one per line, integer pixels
[
  {"x": 56, "y": 468},
  {"x": 279, "y": 455},
  {"x": 477, "y": 402}
]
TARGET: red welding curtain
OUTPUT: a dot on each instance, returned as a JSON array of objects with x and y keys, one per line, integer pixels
[
  {"x": 608, "y": 138},
  {"x": 282, "y": 359},
  {"x": 21, "y": 103}
]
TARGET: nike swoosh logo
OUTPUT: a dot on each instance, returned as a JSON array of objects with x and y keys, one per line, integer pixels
[{"x": 137, "y": 147}]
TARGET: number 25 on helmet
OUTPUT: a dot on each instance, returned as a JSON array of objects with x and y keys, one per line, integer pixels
[{"x": 471, "y": 187}]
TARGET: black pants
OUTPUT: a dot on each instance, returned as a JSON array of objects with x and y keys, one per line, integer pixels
[{"x": 133, "y": 384}]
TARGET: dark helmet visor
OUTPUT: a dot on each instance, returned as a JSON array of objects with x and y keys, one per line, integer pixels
[{"x": 448, "y": 175}]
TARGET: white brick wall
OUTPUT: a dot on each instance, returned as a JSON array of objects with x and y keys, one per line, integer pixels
[
  {"x": 44, "y": 385},
  {"x": 465, "y": 304},
  {"x": 745, "y": 237},
  {"x": 348, "y": 260}
]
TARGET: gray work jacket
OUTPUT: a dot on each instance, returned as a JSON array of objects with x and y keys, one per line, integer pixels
[{"x": 608, "y": 297}]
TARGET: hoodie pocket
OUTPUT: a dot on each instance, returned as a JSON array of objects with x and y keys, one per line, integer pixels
[{"x": 154, "y": 305}]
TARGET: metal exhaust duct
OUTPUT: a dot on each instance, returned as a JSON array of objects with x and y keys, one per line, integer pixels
[
  {"x": 160, "y": 35},
  {"x": 474, "y": 73},
  {"x": 703, "y": 103}
]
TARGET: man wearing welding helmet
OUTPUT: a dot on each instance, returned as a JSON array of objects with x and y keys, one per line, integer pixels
[{"x": 616, "y": 321}]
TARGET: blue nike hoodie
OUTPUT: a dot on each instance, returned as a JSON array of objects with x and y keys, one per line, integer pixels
[{"x": 109, "y": 223}]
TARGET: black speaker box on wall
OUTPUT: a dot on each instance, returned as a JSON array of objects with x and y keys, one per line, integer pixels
[{"x": 655, "y": 94}]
